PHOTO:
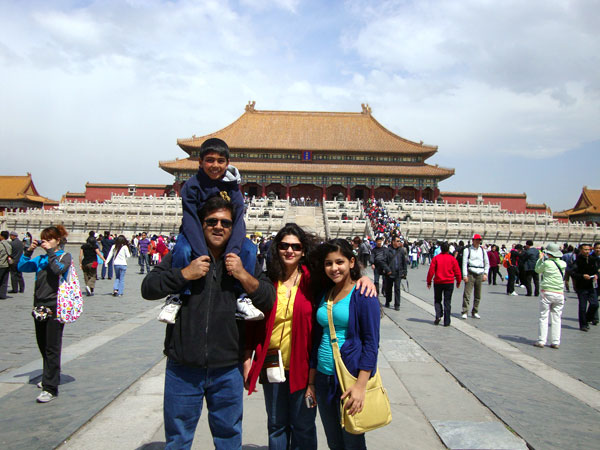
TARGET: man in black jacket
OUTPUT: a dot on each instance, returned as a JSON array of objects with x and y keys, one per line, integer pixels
[
  {"x": 528, "y": 259},
  {"x": 377, "y": 259},
  {"x": 584, "y": 274},
  {"x": 16, "y": 277},
  {"x": 205, "y": 346},
  {"x": 397, "y": 266}
]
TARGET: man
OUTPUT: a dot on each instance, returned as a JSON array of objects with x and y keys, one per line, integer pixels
[
  {"x": 107, "y": 243},
  {"x": 584, "y": 274},
  {"x": 364, "y": 252},
  {"x": 529, "y": 258},
  {"x": 143, "y": 258},
  {"x": 5, "y": 252},
  {"x": 397, "y": 266},
  {"x": 205, "y": 345},
  {"x": 377, "y": 260},
  {"x": 511, "y": 263},
  {"x": 16, "y": 278},
  {"x": 596, "y": 254},
  {"x": 475, "y": 266}
]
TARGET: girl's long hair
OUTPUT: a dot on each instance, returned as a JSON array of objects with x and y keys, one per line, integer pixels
[
  {"x": 320, "y": 280},
  {"x": 119, "y": 243},
  {"x": 275, "y": 267}
]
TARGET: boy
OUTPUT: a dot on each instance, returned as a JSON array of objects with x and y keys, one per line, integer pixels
[{"x": 215, "y": 177}]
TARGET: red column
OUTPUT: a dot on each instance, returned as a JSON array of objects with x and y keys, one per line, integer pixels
[
  {"x": 287, "y": 191},
  {"x": 324, "y": 192},
  {"x": 420, "y": 195},
  {"x": 436, "y": 194},
  {"x": 348, "y": 193},
  {"x": 372, "y": 192},
  {"x": 396, "y": 190},
  {"x": 263, "y": 190}
]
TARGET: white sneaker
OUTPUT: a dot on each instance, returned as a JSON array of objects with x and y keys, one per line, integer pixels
[
  {"x": 88, "y": 290},
  {"x": 476, "y": 316},
  {"x": 246, "y": 310},
  {"x": 464, "y": 316},
  {"x": 39, "y": 385},
  {"x": 514, "y": 293},
  {"x": 45, "y": 397}
]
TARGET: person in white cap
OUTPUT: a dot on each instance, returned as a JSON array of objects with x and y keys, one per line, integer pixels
[
  {"x": 475, "y": 266},
  {"x": 552, "y": 295}
]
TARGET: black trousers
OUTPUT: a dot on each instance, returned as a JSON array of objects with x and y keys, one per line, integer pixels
[
  {"x": 492, "y": 273},
  {"x": 4, "y": 271},
  {"x": 49, "y": 340},
  {"x": 16, "y": 279},
  {"x": 588, "y": 305},
  {"x": 529, "y": 275},
  {"x": 389, "y": 284},
  {"x": 443, "y": 290},
  {"x": 512, "y": 276}
]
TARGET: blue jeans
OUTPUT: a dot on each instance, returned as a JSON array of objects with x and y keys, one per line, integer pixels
[
  {"x": 110, "y": 269},
  {"x": 143, "y": 259},
  {"x": 119, "y": 284},
  {"x": 185, "y": 389},
  {"x": 337, "y": 437},
  {"x": 291, "y": 424}
]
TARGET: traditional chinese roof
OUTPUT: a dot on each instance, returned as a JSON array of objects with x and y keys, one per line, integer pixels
[
  {"x": 20, "y": 188},
  {"x": 190, "y": 164},
  {"x": 588, "y": 203},
  {"x": 310, "y": 131}
]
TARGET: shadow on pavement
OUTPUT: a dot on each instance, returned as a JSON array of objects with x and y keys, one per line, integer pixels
[{"x": 519, "y": 339}]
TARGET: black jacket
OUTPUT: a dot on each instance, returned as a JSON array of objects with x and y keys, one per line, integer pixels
[
  {"x": 529, "y": 257},
  {"x": 378, "y": 258},
  {"x": 206, "y": 333},
  {"x": 397, "y": 261},
  {"x": 581, "y": 266}
]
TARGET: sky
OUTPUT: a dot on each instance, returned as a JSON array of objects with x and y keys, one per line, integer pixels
[{"x": 99, "y": 91}]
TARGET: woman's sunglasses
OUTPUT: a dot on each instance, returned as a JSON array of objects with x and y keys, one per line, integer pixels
[
  {"x": 212, "y": 222},
  {"x": 285, "y": 245}
]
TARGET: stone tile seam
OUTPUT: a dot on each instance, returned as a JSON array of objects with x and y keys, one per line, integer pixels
[
  {"x": 561, "y": 380},
  {"x": 86, "y": 345}
]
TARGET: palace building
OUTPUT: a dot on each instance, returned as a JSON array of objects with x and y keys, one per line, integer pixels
[{"x": 321, "y": 155}]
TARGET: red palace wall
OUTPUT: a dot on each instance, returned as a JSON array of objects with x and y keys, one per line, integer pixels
[
  {"x": 518, "y": 204},
  {"x": 104, "y": 192}
]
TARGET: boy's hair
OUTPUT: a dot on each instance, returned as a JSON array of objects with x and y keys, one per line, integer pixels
[
  {"x": 214, "y": 145},
  {"x": 213, "y": 204}
]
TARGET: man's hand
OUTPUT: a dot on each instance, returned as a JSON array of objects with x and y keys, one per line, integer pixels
[
  {"x": 428, "y": 285},
  {"x": 484, "y": 277},
  {"x": 466, "y": 279},
  {"x": 234, "y": 266},
  {"x": 197, "y": 268}
]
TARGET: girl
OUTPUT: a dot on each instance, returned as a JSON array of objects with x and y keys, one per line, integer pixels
[
  {"x": 356, "y": 320},
  {"x": 48, "y": 269},
  {"x": 119, "y": 254}
]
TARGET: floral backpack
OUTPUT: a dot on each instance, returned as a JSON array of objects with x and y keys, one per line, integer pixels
[{"x": 69, "y": 300}]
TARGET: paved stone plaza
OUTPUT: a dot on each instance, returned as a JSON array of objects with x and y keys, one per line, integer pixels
[{"x": 461, "y": 387}]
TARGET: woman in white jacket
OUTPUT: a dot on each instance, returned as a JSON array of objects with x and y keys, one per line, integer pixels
[{"x": 119, "y": 254}]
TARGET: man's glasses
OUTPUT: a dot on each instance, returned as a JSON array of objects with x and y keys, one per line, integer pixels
[
  {"x": 212, "y": 222},
  {"x": 285, "y": 245}
]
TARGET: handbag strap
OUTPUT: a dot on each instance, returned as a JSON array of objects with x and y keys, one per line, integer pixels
[
  {"x": 332, "y": 336},
  {"x": 287, "y": 307}
]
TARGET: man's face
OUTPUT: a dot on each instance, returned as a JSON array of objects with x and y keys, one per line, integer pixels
[
  {"x": 585, "y": 250},
  {"x": 214, "y": 165},
  {"x": 476, "y": 242},
  {"x": 597, "y": 250},
  {"x": 396, "y": 243},
  {"x": 379, "y": 242},
  {"x": 143, "y": 235},
  {"x": 217, "y": 229}
]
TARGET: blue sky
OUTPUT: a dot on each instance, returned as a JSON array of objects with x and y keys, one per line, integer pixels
[{"x": 99, "y": 91}]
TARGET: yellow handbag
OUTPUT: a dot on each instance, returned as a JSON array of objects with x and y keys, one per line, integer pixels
[{"x": 376, "y": 412}]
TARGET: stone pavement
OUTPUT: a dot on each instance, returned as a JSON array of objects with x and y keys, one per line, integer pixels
[{"x": 465, "y": 386}]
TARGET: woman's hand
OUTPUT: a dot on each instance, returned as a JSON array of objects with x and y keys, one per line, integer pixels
[
  {"x": 355, "y": 398},
  {"x": 246, "y": 370},
  {"x": 310, "y": 392},
  {"x": 46, "y": 245},
  {"x": 366, "y": 286}
]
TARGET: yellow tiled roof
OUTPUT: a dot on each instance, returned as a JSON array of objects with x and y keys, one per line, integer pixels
[
  {"x": 19, "y": 187},
  {"x": 189, "y": 164},
  {"x": 588, "y": 203},
  {"x": 312, "y": 131}
]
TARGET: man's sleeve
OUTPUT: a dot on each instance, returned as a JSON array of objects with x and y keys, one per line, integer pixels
[
  {"x": 264, "y": 297},
  {"x": 465, "y": 262},
  {"x": 163, "y": 280},
  {"x": 486, "y": 263}
]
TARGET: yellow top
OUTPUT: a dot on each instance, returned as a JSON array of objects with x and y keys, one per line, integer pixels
[{"x": 283, "y": 322}]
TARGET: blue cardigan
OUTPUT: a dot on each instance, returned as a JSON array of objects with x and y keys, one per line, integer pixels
[{"x": 360, "y": 349}]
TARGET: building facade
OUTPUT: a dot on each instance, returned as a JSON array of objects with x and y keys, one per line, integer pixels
[
  {"x": 587, "y": 208},
  {"x": 319, "y": 155},
  {"x": 18, "y": 193},
  {"x": 100, "y": 192}
]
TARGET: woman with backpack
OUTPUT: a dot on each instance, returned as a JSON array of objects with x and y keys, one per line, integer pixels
[
  {"x": 48, "y": 268},
  {"x": 119, "y": 254}
]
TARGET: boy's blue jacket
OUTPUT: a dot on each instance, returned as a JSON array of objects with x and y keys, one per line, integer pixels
[{"x": 195, "y": 192}]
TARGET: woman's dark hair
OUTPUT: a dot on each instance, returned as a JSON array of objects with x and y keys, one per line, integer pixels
[
  {"x": 57, "y": 232},
  {"x": 120, "y": 242},
  {"x": 91, "y": 241},
  {"x": 320, "y": 280},
  {"x": 275, "y": 268}
]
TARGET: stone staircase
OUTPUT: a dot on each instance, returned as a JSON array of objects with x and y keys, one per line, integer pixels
[{"x": 310, "y": 218}]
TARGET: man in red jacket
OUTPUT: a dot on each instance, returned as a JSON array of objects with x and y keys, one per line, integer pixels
[{"x": 443, "y": 271}]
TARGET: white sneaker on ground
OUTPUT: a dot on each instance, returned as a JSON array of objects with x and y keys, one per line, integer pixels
[
  {"x": 464, "y": 316},
  {"x": 514, "y": 293},
  {"x": 246, "y": 310},
  {"x": 88, "y": 290},
  {"x": 45, "y": 397},
  {"x": 39, "y": 385},
  {"x": 476, "y": 316}
]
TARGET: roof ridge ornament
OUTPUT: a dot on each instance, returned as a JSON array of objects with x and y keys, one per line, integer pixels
[
  {"x": 366, "y": 109},
  {"x": 250, "y": 106}
]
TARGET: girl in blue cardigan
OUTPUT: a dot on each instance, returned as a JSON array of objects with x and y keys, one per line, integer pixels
[{"x": 356, "y": 320}]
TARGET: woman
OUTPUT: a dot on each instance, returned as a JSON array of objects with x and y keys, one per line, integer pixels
[
  {"x": 119, "y": 254},
  {"x": 88, "y": 261},
  {"x": 49, "y": 269},
  {"x": 356, "y": 320},
  {"x": 494, "y": 258},
  {"x": 443, "y": 271},
  {"x": 288, "y": 327},
  {"x": 27, "y": 239}
]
